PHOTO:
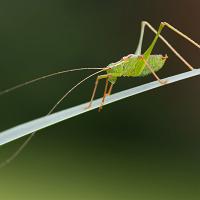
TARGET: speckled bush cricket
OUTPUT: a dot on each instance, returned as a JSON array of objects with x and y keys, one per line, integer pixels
[{"x": 138, "y": 64}]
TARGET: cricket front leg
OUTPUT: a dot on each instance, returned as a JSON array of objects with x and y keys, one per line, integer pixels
[
  {"x": 104, "y": 95},
  {"x": 95, "y": 88},
  {"x": 110, "y": 89}
]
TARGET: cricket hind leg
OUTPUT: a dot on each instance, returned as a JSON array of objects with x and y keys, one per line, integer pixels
[
  {"x": 181, "y": 34},
  {"x": 139, "y": 47},
  {"x": 144, "y": 24},
  {"x": 152, "y": 71},
  {"x": 169, "y": 45}
]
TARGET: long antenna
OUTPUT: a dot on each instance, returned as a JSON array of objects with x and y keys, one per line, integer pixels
[
  {"x": 14, "y": 155},
  {"x": 44, "y": 77}
]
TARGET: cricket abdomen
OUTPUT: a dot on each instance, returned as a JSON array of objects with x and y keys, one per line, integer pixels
[
  {"x": 129, "y": 67},
  {"x": 156, "y": 62}
]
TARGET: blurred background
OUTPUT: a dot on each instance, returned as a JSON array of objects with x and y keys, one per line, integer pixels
[{"x": 144, "y": 147}]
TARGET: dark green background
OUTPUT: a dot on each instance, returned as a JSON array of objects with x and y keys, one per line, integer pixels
[{"x": 144, "y": 147}]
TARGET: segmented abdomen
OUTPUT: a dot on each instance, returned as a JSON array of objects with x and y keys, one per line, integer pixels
[
  {"x": 128, "y": 67},
  {"x": 156, "y": 62},
  {"x": 132, "y": 66}
]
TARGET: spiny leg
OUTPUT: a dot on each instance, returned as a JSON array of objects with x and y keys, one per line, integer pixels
[
  {"x": 152, "y": 71},
  {"x": 181, "y": 34},
  {"x": 104, "y": 95},
  {"x": 144, "y": 23},
  {"x": 95, "y": 88},
  {"x": 169, "y": 45}
]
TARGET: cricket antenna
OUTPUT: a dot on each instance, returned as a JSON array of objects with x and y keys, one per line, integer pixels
[
  {"x": 44, "y": 77},
  {"x": 16, "y": 153}
]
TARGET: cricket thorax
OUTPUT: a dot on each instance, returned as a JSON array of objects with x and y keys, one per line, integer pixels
[{"x": 133, "y": 65}]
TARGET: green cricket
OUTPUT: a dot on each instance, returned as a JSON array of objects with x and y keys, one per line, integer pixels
[
  {"x": 138, "y": 64},
  {"x": 132, "y": 65}
]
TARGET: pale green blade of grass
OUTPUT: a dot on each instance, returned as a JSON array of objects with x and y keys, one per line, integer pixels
[{"x": 40, "y": 123}]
